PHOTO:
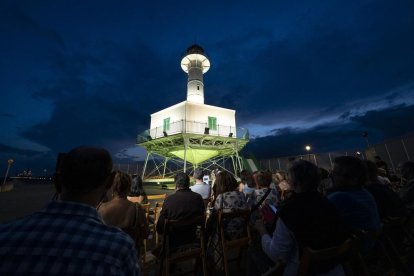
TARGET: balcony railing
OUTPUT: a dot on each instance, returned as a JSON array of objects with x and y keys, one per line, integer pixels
[{"x": 192, "y": 127}]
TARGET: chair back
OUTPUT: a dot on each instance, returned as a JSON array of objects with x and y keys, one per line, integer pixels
[
  {"x": 192, "y": 251},
  {"x": 238, "y": 243},
  {"x": 157, "y": 197},
  {"x": 333, "y": 254}
]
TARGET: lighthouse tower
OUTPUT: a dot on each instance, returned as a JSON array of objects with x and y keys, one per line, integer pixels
[
  {"x": 195, "y": 63},
  {"x": 192, "y": 132}
]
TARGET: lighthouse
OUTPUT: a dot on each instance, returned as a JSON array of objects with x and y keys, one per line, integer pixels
[
  {"x": 195, "y": 63},
  {"x": 191, "y": 131}
]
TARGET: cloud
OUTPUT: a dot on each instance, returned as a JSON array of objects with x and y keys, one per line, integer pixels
[
  {"x": 4, "y": 149},
  {"x": 380, "y": 125}
]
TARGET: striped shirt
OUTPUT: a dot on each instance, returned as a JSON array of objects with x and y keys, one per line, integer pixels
[{"x": 65, "y": 238}]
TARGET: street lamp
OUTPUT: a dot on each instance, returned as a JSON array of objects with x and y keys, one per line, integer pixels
[
  {"x": 308, "y": 148},
  {"x": 9, "y": 163}
]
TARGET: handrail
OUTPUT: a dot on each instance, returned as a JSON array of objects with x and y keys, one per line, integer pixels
[{"x": 192, "y": 127}]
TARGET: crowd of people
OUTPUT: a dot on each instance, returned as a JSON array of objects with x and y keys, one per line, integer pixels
[{"x": 88, "y": 228}]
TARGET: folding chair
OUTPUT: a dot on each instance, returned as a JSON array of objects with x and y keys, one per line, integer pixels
[
  {"x": 313, "y": 257},
  {"x": 238, "y": 243},
  {"x": 187, "y": 252}
]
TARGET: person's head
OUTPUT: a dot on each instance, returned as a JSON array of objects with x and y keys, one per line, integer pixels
[
  {"x": 246, "y": 178},
  {"x": 84, "y": 172},
  {"x": 348, "y": 171},
  {"x": 372, "y": 172},
  {"x": 303, "y": 176},
  {"x": 225, "y": 182},
  {"x": 121, "y": 185},
  {"x": 198, "y": 174},
  {"x": 280, "y": 176},
  {"x": 263, "y": 179},
  {"x": 182, "y": 181},
  {"x": 407, "y": 170}
]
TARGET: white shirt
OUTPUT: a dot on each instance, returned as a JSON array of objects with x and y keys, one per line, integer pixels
[{"x": 202, "y": 188}]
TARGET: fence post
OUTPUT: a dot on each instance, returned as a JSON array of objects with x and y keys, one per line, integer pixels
[
  {"x": 389, "y": 156},
  {"x": 405, "y": 149}
]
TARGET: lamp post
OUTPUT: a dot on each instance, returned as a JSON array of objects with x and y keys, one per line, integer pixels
[
  {"x": 308, "y": 148},
  {"x": 9, "y": 163}
]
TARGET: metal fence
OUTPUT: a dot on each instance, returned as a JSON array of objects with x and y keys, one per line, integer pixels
[{"x": 394, "y": 152}]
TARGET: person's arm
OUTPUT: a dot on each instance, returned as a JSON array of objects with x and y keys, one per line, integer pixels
[{"x": 280, "y": 245}]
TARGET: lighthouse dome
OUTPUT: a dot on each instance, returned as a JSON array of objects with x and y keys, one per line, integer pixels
[{"x": 195, "y": 49}]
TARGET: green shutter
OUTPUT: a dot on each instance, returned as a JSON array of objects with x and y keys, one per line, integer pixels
[
  {"x": 166, "y": 124},
  {"x": 212, "y": 123}
]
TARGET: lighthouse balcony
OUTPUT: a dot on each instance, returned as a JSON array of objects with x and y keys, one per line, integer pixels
[{"x": 192, "y": 127}]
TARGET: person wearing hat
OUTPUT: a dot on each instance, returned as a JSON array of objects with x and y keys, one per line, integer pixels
[{"x": 201, "y": 187}]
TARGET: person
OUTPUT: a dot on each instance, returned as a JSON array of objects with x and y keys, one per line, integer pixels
[
  {"x": 306, "y": 219},
  {"x": 247, "y": 187},
  {"x": 407, "y": 190},
  {"x": 184, "y": 204},
  {"x": 382, "y": 166},
  {"x": 263, "y": 180},
  {"x": 228, "y": 199},
  {"x": 68, "y": 236},
  {"x": 389, "y": 204},
  {"x": 122, "y": 213},
  {"x": 355, "y": 204},
  {"x": 201, "y": 187},
  {"x": 137, "y": 192}
]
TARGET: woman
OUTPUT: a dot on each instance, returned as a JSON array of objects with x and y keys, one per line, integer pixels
[
  {"x": 228, "y": 199},
  {"x": 137, "y": 192},
  {"x": 246, "y": 186},
  {"x": 122, "y": 213}
]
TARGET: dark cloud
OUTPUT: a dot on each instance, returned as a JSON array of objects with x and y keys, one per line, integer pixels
[
  {"x": 4, "y": 149},
  {"x": 380, "y": 125}
]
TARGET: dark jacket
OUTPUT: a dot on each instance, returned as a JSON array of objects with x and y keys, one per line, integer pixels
[{"x": 184, "y": 204}]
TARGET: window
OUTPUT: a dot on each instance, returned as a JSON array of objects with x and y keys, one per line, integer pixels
[
  {"x": 166, "y": 124},
  {"x": 198, "y": 87},
  {"x": 212, "y": 123}
]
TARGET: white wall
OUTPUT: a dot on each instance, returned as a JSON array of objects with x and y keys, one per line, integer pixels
[{"x": 196, "y": 115}]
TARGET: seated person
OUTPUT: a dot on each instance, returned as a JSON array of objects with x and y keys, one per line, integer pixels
[
  {"x": 306, "y": 219},
  {"x": 263, "y": 180},
  {"x": 200, "y": 186},
  {"x": 137, "y": 192},
  {"x": 184, "y": 204},
  {"x": 355, "y": 204},
  {"x": 246, "y": 186},
  {"x": 407, "y": 190},
  {"x": 68, "y": 236},
  {"x": 119, "y": 212},
  {"x": 228, "y": 199},
  {"x": 389, "y": 204}
]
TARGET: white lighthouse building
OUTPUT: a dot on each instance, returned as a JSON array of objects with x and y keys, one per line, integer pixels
[
  {"x": 192, "y": 131},
  {"x": 199, "y": 117}
]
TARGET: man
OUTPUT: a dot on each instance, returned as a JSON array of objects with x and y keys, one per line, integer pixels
[
  {"x": 200, "y": 187},
  {"x": 68, "y": 236},
  {"x": 306, "y": 219},
  {"x": 356, "y": 205},
  {"x": 407, "y": 191},
  {"x": 184, "y": 204}
]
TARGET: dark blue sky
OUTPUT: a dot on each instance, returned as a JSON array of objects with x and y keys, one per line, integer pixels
[{"x": 297, "y": 72}]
